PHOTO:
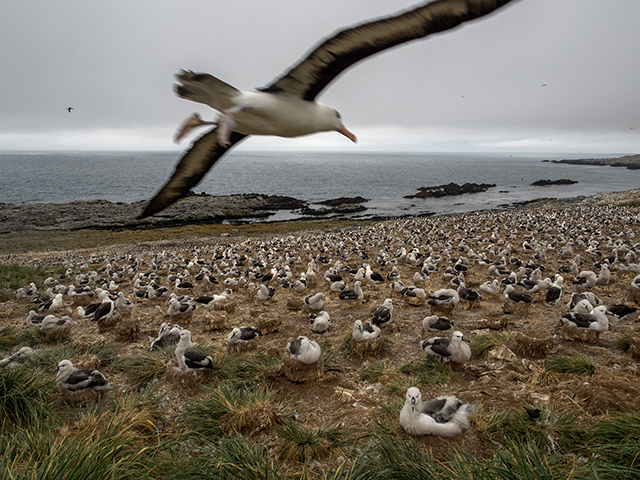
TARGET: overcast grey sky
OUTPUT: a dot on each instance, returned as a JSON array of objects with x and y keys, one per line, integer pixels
[{"x": 478, "y": 87}]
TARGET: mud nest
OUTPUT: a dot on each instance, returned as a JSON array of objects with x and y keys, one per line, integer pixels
[
  {"x": 575, "y": 334},
  {"x": 299, "y": 372},
  {"x": 367, "y": 348},
  {"x": 533, "y": 343}
]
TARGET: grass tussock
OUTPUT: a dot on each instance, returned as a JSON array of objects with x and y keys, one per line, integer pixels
[
  {"x": 102, "y": 456},
  {"x": 617, "y": 438},
  {"x": 629, "y": 204},
  {"x": 8, "y": 338},
  {"x": 227, "y": 410},
  {"x": 577, "y": 365},
  {"x": 551, "y": 430},
  {"x": 376, "y": 372},
  {"x": 482, "y": 343},
  {"x": 428, "y": 371},
  {"x": 622, "y": 341},
  {"x": 230, "y": 458},
  {"x": 301, "y": 443},
  {"x": 23, "y": 396},
  {"x": 143, "y": 368},
  {"x": 13, "y": 277}
]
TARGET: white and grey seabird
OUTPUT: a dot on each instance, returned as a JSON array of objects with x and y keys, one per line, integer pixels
[
  {"x": 243, "y": 334},
  {"x": 444, "y": 416},
  {"x": 76, "y": 379},
  {"x": 304, "y": 350},
  {"x": 189, "y": 357},
  {"x": 364, "y": 331},
  {"x": 287, "y": 107},
  {"x": 453, "y": 349}
]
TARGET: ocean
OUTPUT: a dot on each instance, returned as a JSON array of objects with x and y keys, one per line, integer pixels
[{"x": 383, "y": 178}]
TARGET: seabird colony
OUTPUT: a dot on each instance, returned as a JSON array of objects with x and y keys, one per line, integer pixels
[{"x": 485, "y": 242}]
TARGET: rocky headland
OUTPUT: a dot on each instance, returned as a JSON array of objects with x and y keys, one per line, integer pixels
[
  {"x": 631, "y": 162},
  {"x": 194, "y": 209}
]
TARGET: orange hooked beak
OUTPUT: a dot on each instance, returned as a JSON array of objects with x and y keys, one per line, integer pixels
[{"x": 343, "y": 130}]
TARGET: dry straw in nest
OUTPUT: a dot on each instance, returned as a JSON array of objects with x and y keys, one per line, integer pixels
[{"x": 533, "y": 343}]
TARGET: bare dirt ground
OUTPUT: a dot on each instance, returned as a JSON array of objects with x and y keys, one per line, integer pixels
[{"x": 492, "y": 384}]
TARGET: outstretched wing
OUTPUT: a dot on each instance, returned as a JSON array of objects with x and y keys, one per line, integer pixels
[
  {"x": 347, "y": 47},
  {"x": 198, "y": 160}
]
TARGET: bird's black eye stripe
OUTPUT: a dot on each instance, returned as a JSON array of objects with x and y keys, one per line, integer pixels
[{"x": 338, "y": 114}]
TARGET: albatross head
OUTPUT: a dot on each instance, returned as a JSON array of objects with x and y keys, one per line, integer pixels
[
  {"x": 414, "y": 397},
  {"x": 334, "y": 120}
]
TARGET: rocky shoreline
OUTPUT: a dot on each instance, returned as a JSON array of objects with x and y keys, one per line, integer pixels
[
  {"x": 194, "y": 209},
  {"x": 204, "y": 209},
  {"x": 631, "y": 162}
]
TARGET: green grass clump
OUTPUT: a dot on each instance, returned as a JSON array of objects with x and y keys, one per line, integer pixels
[
  {"x": 551, "y": 430},
  {"x": 13, "y": 277},
  {"x": 8, "y": 338},
  {"x": 228, "y": 410},
  {"x": 300, "y": 442},
  {"x": 23, "y": 396},
  {"x": 482, "y": 343},
  {"x": 231, "y": 458},
  {"x": 94, "y": 455},
  {"x": 141, "y": 369},
  {"x": 428, "y": 371},
  {"x": 375, "y": 372},
  {"x": 241, "y": 370},
  {"x": 577, "y": 365},
  {"x": 622, "y": 341},
  {"x": 629, "y": 204},
  {"x": 617, "y": 438},
  {"x": 139, "y": 409}
]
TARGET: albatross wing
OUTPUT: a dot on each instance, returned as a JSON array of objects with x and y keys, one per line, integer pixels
[
  {"x": 347, "y": 47},
  {"x": 198, "y": 160}
]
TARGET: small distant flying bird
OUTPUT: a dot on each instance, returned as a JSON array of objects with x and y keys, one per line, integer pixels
[{"x": 69, "y": 109}]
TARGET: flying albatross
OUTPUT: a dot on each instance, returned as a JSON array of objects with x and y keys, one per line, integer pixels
[{"x": 287, "y": 107}]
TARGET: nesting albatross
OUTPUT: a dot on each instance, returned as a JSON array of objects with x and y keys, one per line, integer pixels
[
  {"x": 79, "y": 379},
  {"x": 444, "y": 416},
  {"x": 287, "y": 106},
  {"x": 189, "y": 357},
  {"x": 453, "y": 349}
]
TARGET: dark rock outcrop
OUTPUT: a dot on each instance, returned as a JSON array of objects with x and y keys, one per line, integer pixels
[
  {"x": 547, "y": 183},
  {"x": 451, "y": 189},
  {"x": 335, "y": 202},
  {"x": 631, "y": 162},
  {"x": 105, "y": 215},
  {"x": 341, "y": 209}
]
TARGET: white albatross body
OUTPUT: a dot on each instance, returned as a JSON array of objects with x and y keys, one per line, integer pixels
[
  {"x": 444, "y": 416},
  {"x": 452, "y": 349},
  {"x": 304, "y": 350},
  {"x": 287, "y": 107},
  {"x": 76, "y": 380}
]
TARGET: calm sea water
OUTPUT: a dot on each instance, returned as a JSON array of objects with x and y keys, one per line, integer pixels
[{"x": 59, "y": 177}]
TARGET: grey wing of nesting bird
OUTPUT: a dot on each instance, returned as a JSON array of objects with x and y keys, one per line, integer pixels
[
  {"x": 445, "y": 414},
  {"x": 432, "y": 407},
  {"x": 440, "y": 346},
  {"x": 194, "y": 358}
]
